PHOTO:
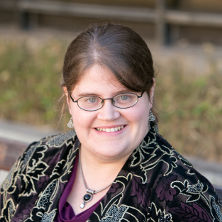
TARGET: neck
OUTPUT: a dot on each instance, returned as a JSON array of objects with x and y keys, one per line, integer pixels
[
  {"x": 102, "y": 171},
  {"x": 96, "y": 161}
]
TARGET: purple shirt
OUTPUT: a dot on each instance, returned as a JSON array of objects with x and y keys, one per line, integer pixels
[{"x": 66, "y": 213}]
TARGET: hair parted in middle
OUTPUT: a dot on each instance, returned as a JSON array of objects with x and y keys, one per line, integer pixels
[{"x": 117, "y": 47}]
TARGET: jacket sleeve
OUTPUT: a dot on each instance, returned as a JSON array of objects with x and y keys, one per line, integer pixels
[
  {"x": 13, "y": 185},
  {"x": 197, "y": 201},
  {"x": 188, "y": 196},
  {"x": 181, "y": 192}
]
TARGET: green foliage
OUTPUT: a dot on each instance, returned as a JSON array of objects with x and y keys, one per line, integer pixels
[
  {"x": 189, "y": 106},
  {"x": 30, "y": 81}
]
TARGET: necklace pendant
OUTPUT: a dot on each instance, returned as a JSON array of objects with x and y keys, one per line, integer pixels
[
  {"x": 90, "y": 191},
  {"x": 86, "y": 198},
  {"x": 82, "y": 205}
]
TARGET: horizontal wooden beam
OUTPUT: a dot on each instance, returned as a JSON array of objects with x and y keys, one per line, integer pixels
[
  {"x": 193, "y": 18},
  {"x": 86, "y": 10},
  {"x": 161, "y": 17},
  {"x": 10, "y": 151},
  {"x": 9, "y": 4},
  {"x": 115, "y": 12}
]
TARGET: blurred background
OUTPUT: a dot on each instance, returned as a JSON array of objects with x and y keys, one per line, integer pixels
[{"x": 185, "y": 37}]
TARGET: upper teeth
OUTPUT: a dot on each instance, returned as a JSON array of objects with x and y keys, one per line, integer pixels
[{"x": 108, "y": 130}]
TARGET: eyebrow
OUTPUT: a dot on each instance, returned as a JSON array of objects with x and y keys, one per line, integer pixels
[{"x": 95, "y": 94}]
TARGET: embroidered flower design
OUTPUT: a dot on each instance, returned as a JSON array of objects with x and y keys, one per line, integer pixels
[
  {"x": 216, "y": 208},
  {"x": 59, "y": 140},
  {"x": 114, "y": 214},
  {"x": 8, "y": 211},
  {"x": 156, "y": 214},
  {"x": 194, "y": 191},
  {"x": 33, "y": 171},
  {"x": 48, "y": 217},
  {"x": 196, "y": 188}
]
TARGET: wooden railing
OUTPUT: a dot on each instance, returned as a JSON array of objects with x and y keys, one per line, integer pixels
[
  {"x": 161, "y": 17},
  {"x": 10, "y": 150}
]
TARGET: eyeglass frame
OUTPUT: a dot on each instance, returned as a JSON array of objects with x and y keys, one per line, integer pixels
[{"x": 102, "y": 101}]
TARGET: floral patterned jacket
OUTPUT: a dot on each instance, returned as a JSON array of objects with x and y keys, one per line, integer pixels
[{"x": 156, "y": 184}]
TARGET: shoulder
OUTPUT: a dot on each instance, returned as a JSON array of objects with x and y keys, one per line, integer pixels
[
  {"x": 181, "y": 189},
  {"x": 49, "y": 159},
  {"x": 40, "y": 157},
  {"x": 53, "y": 143},
  {"x": 48, "y": 151},
  {"x": 178, "y": 168},
  {"x": 39, "y": 160}
]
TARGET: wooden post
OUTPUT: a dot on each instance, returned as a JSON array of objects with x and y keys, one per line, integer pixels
[
  {"x": 161, "y": 26},
  {"x": 24, "y": 20}
]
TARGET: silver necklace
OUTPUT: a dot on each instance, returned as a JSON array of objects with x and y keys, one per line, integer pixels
[{"x": 89, "y": 192}]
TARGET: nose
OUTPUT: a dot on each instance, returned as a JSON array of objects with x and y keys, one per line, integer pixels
[{"x": 108, "y": 111}]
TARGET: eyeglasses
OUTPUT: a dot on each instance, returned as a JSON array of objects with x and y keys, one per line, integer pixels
[{"x": 93, "y": 102}]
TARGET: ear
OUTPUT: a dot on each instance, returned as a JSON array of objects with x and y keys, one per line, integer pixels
[
  {"x": 67, "y": 97},
  {"x": 152, "y": 91}
]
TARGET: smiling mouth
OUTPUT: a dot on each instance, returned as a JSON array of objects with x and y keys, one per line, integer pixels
[{"x": 110, "y": 130}]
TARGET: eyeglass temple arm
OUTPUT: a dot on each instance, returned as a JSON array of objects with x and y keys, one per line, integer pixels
[
  {"x": 141, "y": 94},
  {"x": 75, "y": 101}
]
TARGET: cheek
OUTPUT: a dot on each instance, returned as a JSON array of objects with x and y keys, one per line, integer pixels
[
  {"x": 139, "y": 116},
  {"x": 142, "y": 111},
  {"x": 81, "y": 120},
  {"x": 76, "y": 117}
]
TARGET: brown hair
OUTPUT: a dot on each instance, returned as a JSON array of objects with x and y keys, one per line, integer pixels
[{"x": 117, "y": 47}]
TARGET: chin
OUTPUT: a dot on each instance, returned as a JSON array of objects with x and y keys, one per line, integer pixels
[{"x": 114, "y": 152}]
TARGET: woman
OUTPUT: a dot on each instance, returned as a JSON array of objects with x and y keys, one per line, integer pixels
[{"x": 114, "y": 166}]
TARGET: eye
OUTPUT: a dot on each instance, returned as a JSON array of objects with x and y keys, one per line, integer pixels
[
  {"x": 124, "y": 98},
  {"x": 91, "y": 99}
]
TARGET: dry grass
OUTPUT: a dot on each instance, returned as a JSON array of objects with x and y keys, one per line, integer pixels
[{"x": 190, "y": 110}]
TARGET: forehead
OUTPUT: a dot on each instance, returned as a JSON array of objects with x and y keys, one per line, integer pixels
[{"x": 98, "y": 79}]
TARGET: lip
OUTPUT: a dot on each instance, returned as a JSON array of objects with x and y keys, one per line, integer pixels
[{"x": 109, "y": 127}]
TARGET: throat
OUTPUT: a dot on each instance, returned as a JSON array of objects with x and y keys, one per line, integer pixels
[{"x": 88, "y": 196}]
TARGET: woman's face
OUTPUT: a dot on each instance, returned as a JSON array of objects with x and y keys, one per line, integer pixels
[{"x": 93, "y": 128}]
